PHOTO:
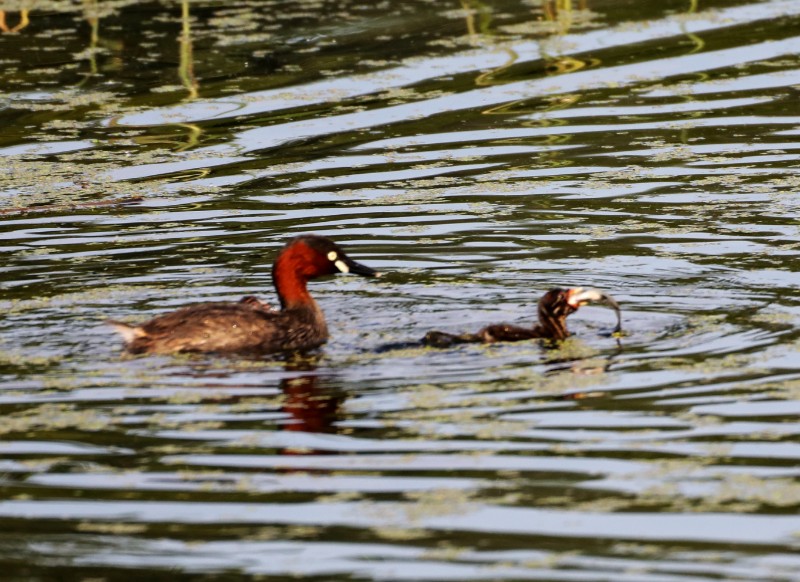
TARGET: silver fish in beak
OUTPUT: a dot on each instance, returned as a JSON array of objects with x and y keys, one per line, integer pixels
[{"x": 579, "y": 296}]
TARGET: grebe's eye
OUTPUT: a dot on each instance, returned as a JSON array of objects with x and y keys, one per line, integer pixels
[
  {"x": 341, "y": 265},
  {"x": 332, "y": 256}
]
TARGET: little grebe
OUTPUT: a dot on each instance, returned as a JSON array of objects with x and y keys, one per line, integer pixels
[
  {"x": 252, "y": 326},
  {"x": 554, "y": 307}
]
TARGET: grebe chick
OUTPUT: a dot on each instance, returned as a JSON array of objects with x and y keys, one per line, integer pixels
[
  {"x": 256, "y": 303},
  {"x": 250, "y": 325},
  {"x": 553, "y": 309}
]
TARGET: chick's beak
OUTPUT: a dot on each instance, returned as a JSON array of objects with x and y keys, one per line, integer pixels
[{"x": 578, "y": 297}]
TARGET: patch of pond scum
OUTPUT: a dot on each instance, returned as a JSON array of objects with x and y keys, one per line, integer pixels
[{"x": 476, "y": 153}]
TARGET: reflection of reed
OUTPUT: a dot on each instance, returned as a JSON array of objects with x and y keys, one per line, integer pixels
[
  {"x": 484, "y": 12},
  {"x": 186, "y": 74},
  {"x": 193, "y": 133},
  {"x": 24, "y": 20},
  {"x": 92, "y": 17},
  {"x": 92, "y": 13},
  {"x": 471, "y": 8},
  {"x": 179, "y": 143},
  {"x": 487, "y": 78},
  {"x": 561, "y": 13},
  {"x": 186, "y": 67},
  {"x": 699, "y": 43},
  {"x": 561, "y": 16},
  {"x": 189, "y": 81}
]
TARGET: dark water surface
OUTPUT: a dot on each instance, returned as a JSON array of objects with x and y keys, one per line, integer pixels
[{"x": 478, "y": 153}]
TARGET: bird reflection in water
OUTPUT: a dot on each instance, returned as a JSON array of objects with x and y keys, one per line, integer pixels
[{"x": 312, "y": 407}]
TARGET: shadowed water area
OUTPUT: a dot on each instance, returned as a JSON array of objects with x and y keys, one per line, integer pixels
[{"x": 477, "y": 153}]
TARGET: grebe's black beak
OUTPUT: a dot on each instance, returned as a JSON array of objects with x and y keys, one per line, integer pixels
[
  {"x": 578, "y": 297},
  {"x": 347, "y": 265}
]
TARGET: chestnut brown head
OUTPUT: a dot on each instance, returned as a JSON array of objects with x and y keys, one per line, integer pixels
[{"x": 310, "y": 256}]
